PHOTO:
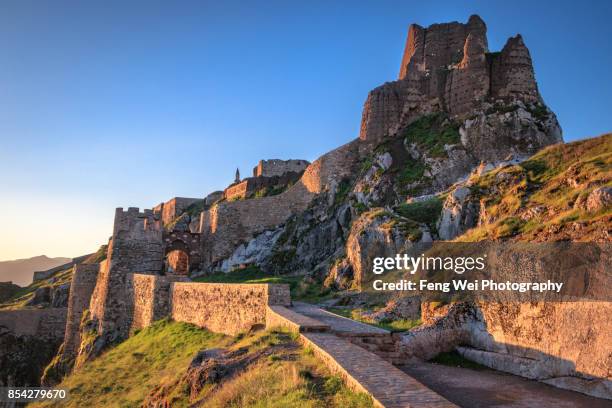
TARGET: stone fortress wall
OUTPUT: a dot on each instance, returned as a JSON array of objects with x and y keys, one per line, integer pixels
[
  {"x": 228, "y": 224},
  {"x": 83, "y": 283},
  {"x": 226, "y": 308},
  {"x": 43, "y": 323},
  {"x": 135, "y": 247},
  {"x": 277, "y": 167},
  {"x": 173, "y": 207}
]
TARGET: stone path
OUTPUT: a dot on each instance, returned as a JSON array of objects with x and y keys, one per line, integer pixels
[
  {"x": 489, "y": 388},
  {"x": 338, "y": 324},
  {"x": 328, "y": 335},
  {"x": 366, "y": 372}
]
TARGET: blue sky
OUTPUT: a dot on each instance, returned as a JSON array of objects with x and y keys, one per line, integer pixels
[{"x": 116, "y": 104}]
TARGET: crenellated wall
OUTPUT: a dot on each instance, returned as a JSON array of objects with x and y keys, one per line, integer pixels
[{"x": 226, "y": 308}]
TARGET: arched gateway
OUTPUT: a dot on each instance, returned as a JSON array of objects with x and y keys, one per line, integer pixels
[{"x": 181, "y": 252}]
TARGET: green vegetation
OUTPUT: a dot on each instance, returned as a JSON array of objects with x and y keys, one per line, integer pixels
[
  {"x": 538, "y": 111},
  {"x": 23, "y": 295},
  {"x": 359, "y": 315},
  {"x": 125, "y": 374},
  {"x": 501, "y": 108},
  {"x": 280, "y": 373},
  {"x": 342, "y": 191},
  {"x": 301, "y": 288},
  {"x": 360, "y": 208},
  {"x": 426, "y": 212},
  {"x": 412, "y": 172},
  {"x": 291, "y": 377},
  {"x": 454, "y": 359},
  {"x": 432, "y": 132},
  {"x": 195, "y": 208},
  {"x": 271, "y": 191}
]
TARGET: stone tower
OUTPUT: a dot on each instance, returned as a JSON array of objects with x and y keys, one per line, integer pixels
[{"x": 237, "y": 177}]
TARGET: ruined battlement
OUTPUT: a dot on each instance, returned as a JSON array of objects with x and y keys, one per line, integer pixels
[
  {"x": 277, "y": 167},
  {"x": 135, "y": 222},
  {"x": 173, "y": 208}
]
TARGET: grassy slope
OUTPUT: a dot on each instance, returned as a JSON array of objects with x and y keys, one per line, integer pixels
[
  {"x": 549, "y": 183},
  {"x": 124, "y": 375},
  {"x": 23, "y": 295},
  {"x": 288, "y": 376}
]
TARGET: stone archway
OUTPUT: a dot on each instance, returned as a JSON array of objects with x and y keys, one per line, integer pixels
[
  {"x": 176, "y": 260},
  {"x": 181, "y": 252}
]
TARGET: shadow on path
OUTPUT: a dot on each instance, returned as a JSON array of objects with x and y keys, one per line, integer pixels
[{"x": 489, "y": 388}]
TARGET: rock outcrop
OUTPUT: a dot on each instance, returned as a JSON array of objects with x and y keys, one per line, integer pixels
[{"x": 448, "y": 68}]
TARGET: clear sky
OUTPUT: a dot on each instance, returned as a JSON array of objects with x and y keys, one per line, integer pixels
[{"x": 108, "y": 104}]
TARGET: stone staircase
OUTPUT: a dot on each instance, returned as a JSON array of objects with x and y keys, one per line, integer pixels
[{"x": 361, "y": 354}]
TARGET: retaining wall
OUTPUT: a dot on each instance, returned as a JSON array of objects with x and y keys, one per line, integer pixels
[{"x": 225, "y": 308}]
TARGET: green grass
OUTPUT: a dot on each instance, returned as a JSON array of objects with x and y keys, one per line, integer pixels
[
  {"x": 426, "y": 212},
  {"x": 431, "y": 133},
  {"x": 124, "y": 375},
  {"x": 300, "y": 290},
  {"x": 282, "y": 373},
  {"x": 23, "y": 295},
  {"x": 454, "y": 359},
  {"x": 399, "y": 325}
]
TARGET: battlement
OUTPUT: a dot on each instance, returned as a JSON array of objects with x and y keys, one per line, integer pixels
[
  {"x": 134, "y": 221},
  {"x": 277, "y": 167}
]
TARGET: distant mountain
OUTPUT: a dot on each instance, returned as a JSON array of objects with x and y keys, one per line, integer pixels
[{"x": 20, "y": 271}]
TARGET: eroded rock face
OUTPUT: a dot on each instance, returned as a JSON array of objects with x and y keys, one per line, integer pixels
[
  {"x": 380, "y": 233},
  {"x": 599, "y": 199},
  {"x": 254, "y": 252},
  {"x": 458, "y": 214},
  {"x": 448, "y": 68}
]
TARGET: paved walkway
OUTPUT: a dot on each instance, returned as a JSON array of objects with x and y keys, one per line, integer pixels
[
  {"x": 363, "y": 371},
  {"x": 489, "y": 388},
  {"x": 366, "y": 372},
  {"x": 338, "y": 324}
]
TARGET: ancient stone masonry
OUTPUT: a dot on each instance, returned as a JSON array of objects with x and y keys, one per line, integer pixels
[
  {"x": 268, "y": 174},
  {"x": 151, "y": 297},
  {"x": 227, "y": 225},
  {"x": 43, "y": 323},
  {"x": 174, "y": 207},
  {"x": 226, "y": 308},
  {"x": 81, "y": 288},
  {"x": 135, "y": 247},
  {"x": 447, "y": 67},
  {"x": 276, "y": 167},
  {"x": 181, "y": 248}
]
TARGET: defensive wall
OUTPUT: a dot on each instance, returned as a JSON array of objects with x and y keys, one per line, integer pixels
[
  {"x": 228, "y": 224},
  {"x": 43, "y": 323},
  {"x": 276, "y": 167}
]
